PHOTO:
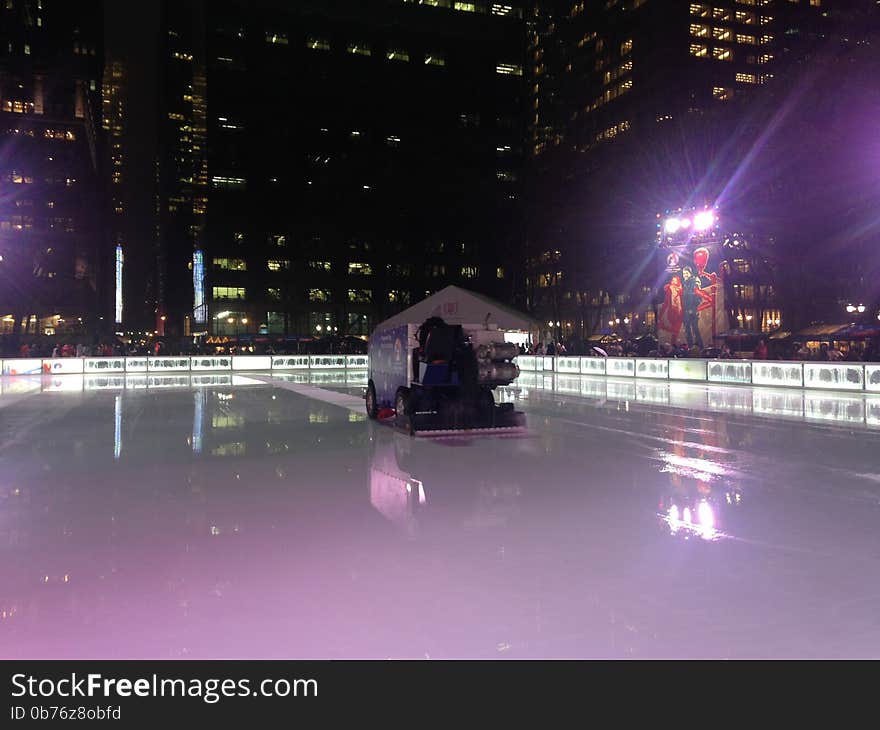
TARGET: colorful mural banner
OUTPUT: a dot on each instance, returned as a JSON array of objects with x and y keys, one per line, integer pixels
[{"x": 692, "y": 310}]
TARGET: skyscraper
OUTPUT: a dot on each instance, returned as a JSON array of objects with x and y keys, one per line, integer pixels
[
  {"x": 321, "y": 165},
  {"x": 639, "y": 106},
  {"x": 51, "y": 222}
]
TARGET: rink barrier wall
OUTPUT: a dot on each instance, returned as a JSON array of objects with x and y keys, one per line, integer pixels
[
  {"x": 178, "y": 364},
  {"x": 856, "y": 377},
  {"x": 776, "y": 373}
]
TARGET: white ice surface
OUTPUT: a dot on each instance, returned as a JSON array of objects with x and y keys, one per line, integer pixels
[{"x": 181, "y": 518}]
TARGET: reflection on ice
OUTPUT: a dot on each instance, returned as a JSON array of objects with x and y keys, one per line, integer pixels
[
  {"x": 786, "y": 403},
  {"x": 135, "y": 381},
  {"x": 414, "y": 483}
]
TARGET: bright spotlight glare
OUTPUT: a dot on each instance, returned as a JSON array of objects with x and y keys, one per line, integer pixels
[
  {"x": 685, "y": 222},
  {"x": 672, "y": 225},
  {"x": 703, "y": 220}
]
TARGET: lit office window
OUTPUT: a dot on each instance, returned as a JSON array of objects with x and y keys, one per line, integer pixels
[
  {"x": 356, "y": 268},
  {"x": 746, "y": 39},
  {"x": 318, "y": 44},
  {"x": 359, "y": 49},
  {"x": 700, "y": 31},
  {"x": 230, "y": 264},
  {"x": 702, "y": 11},
  {"x": 323, "y": 266},
  {"x": 743, "y": 16},
  {"x": 721, "y": 34},
  {"x": 228, "y": 183},
  {"x": 722, "y": 14},
  {"x": 721, "y": 93},
  {"x": 397, "y": 54},
  {"x": 464, "y": 7},
  {"x": 508, "y": 69},
  {"x": 360, "y": 296},
  {"x": 766, "y": 19},
  {"x": 277, "y": 239},
  {"x": 746, "y": 78},
  {"x": 469, "y": 272},
  {"x": 699, "y": 50},
  {"x": 273, "y": 293},
  {"x": 499, "y": 9},
  {"x": 625, "y": 47},
  {"x": 435, "y": 59},
  {"x": 397, "y": 296},
  {"x": 229, "y": 292},
  {"x": 766, "y": 39},
  {"x": 722, "y": 54},
  {"x": 319, "y": 295},
  {"x": 278, "y": 264},
  {"x": 499, "y": 272},
  {"x": 279, "y": 39}
]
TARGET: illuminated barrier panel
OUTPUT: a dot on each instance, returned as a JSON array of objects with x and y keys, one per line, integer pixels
[
  {"x": 872, "y": 411},
  {"x": 290, "y": 362},
  {"x": 778, "y": 402},
  {"x": 356, "y": 362},
  {"x": 730, "y": 371},
  {"x": 71, "y": 382},
  {"x": 104, "y": 365},
  {"x": 22, "y": 366},
  {"x": 104, "y": 382},
  {"x": 647, "y": 392},
  {"x": 872, "y": 378},
  {"x": 527, "y": 362},
  {"x": 135, "y": 382},
  {"x": 568, "y": 365},
  {"x": 623, "y": 366},
  {"x": 623, "y": 390},
  {"x": 210, "y": 363},
  {"x": 204, "y": 379},
  {"x": 687, "y": 369},
  {"x": 356, "y": 377},
  {"x": 527, "y": 379},
  {"x": 835, "y": 376},
  {"x": 136, "y": 365},
  {"x": 62, "y": 366},
  {"x": 545, "y": 381},
  {"x": 840, "y": 408},
  {"x": 652, "y": 368},
  {"x": 251, "y": 362},
  {"x": 730, "y": 399},
  {"x": 326, "y": 362},
  {"x": 165, "y": 364},
  {"x": 593, "y": 365},
  {"x": 790, "y": 374}
]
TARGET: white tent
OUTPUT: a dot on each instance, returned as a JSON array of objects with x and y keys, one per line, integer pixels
[{"x": 460, "y": 306}]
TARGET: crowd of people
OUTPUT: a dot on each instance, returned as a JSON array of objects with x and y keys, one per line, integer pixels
[{"x": 868, "y": 351}]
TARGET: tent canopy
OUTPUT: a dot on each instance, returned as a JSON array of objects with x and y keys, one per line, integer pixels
[{"x": 460, "y": 306}]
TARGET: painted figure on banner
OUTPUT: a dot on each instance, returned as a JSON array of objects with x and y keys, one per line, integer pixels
[{"x": 693, "y": 299}]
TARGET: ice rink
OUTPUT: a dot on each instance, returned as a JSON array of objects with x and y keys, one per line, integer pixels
[{"x": 220, "y": 516}]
